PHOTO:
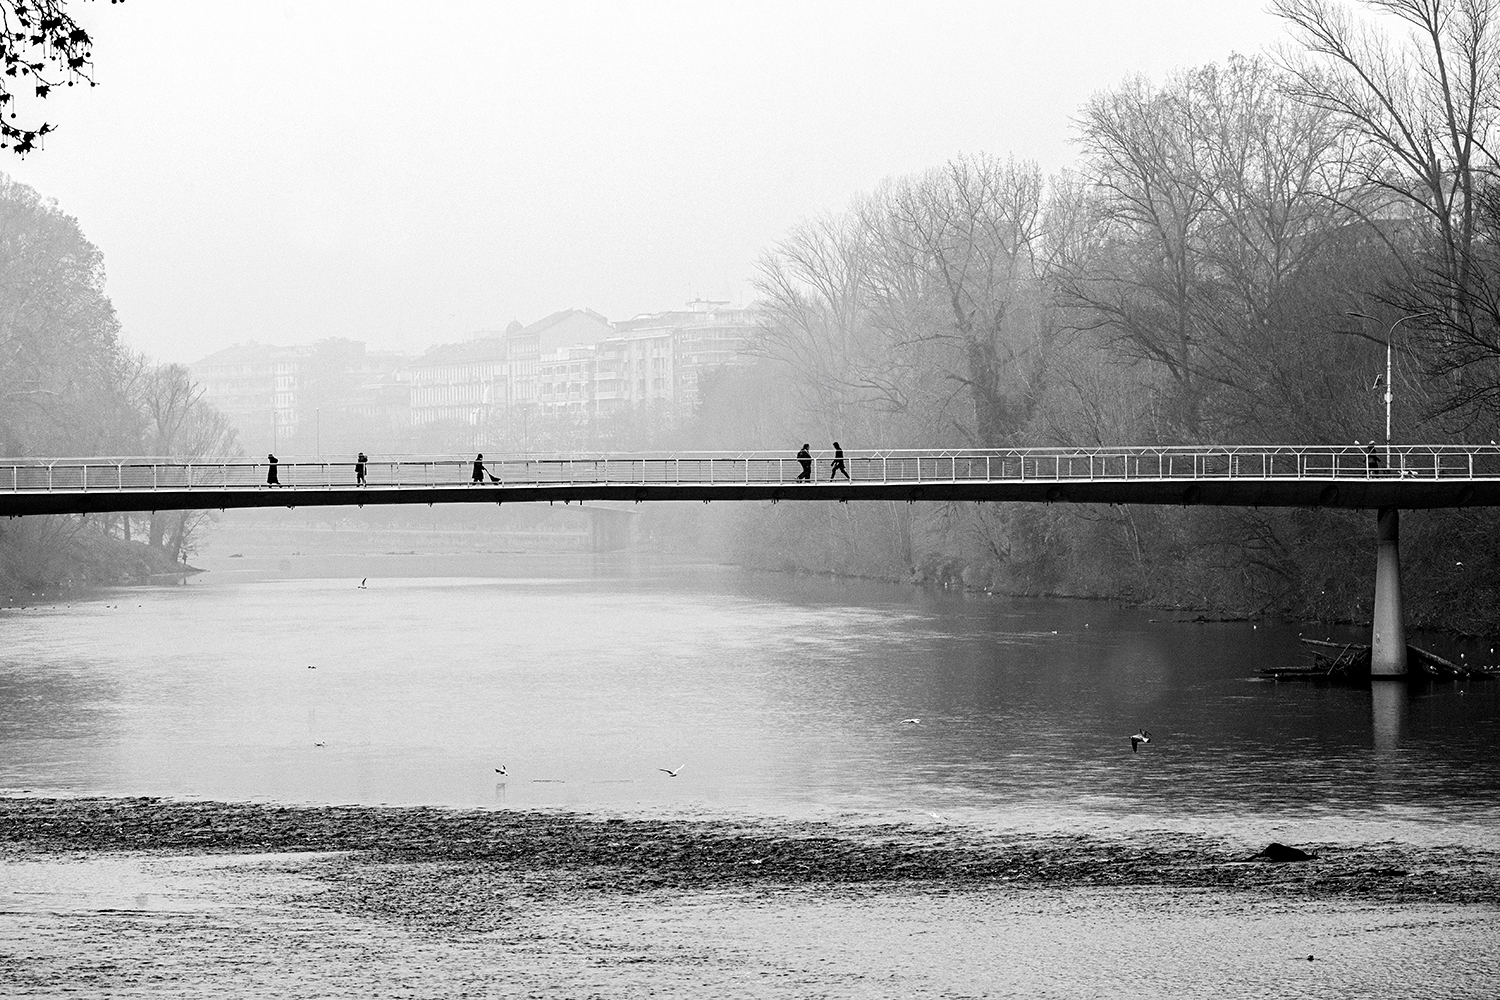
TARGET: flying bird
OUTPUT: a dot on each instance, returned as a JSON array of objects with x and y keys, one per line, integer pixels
[
  {"x": 911, "y": 722},
  {"x": 501, "y": 770},
  {"x": 362, "y": 585},
  {"x": 1144, "y": 736},
  {"x": 670, "y": 773},
  {"x": 320, "y": 744}
]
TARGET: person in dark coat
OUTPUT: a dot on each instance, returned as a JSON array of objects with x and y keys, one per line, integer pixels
[
  {"x": 478, "y": 477},
  {"x": 359, "y": 469},
  {"x": 838, "y": 463},
  {"x": 805, "y": 457},
  {"x": 271, "y": 479}
]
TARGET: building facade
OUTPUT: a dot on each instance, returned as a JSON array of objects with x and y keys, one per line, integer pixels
[{"x": 570, "y": 380}]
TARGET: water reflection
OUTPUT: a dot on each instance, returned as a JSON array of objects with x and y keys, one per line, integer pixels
[
  {"x": 1388, "y": 708},
  {"x": 775, "y": 694}
]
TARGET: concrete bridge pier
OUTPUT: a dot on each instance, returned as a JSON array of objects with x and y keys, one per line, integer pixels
[
  {"x": 609, "y": 529},
  {"x": 1388, "y": 638}
]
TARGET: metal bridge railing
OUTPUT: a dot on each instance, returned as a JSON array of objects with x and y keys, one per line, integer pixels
[{"x": 1257, "y": 462}]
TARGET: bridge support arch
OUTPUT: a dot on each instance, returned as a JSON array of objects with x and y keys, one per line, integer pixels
[{"x": 1388, "y": 630}]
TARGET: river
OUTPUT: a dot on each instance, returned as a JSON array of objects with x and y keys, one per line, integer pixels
[{"x": 773, "y": 697}]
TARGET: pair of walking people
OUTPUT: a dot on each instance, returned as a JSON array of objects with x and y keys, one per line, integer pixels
[
  {"x": 805, "y": 458},
  {"x": 273, "y": 477}
]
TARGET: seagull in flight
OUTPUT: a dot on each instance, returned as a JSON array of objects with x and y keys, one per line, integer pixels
[
  {"x": 320, "y": 744},
  {"x": 501, "y": 770},
  {"x": 362, "y": 584},
  {"x": 1144, "y": 736},
  {"x": 670, "y": 773},
  {"x": 911, "y": 722}
]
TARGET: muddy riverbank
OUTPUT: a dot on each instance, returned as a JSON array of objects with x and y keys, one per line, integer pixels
[
  {"x": 152, "y": 897},
  {"x": 579, "y": 852}
]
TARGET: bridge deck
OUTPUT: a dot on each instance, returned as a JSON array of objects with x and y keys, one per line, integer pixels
[{"x": 1408, "y": 476}]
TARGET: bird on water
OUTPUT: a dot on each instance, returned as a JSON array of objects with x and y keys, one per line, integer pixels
[
  {"x": 1144, "y": 736},
  {"x": 670, "y": 773}
]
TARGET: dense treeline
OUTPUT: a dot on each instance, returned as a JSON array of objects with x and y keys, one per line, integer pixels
[
  {"x": 68, "y": 386},
  {"x": 1195, "y": 278}
]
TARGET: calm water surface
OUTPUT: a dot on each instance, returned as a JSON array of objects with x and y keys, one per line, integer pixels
[{"x": 775, "y": 695}]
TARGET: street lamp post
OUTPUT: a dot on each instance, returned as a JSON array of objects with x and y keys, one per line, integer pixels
[{"x": 1390, "y": 389}]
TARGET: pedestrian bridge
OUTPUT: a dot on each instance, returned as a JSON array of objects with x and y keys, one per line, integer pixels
[{"x": 1339, "y": 476}]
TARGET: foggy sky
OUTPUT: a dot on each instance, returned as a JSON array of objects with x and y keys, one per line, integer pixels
[{"x": 287, "y": 172}]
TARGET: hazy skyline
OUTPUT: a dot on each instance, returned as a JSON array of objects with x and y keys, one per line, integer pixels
[{"x": 287, "y": 172}]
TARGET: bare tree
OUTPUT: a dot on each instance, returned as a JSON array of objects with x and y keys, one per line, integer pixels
[
  {"x": 1425, "y": 107},
  {"x": 1418, "y": 82},
  {"x": 920, "y": 304},
  {"x": 180, "y": 426},
  {"x": 953, "y": 283},
  {"x": 1213, "y": 193}
]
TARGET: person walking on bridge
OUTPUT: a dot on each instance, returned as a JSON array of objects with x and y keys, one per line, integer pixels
[
  {"x": 359, "y": 469},
  {"x": 838, "y": 464},
  {"x": 477, "y": 479},
  {"x": 271, "y": 477},
  {"x": 805, "y": 458}
]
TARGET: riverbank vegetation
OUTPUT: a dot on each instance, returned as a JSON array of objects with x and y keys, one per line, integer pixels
[
  {"x": 1225, "y": 263},
  {"x": 69, "y": 386}
]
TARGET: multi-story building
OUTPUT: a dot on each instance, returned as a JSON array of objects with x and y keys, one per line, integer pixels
[
  {"x": 538, "y": 386},
  {"x": 255, "y": 386},
  {"x": 526, "y": 346},
  {"x": 496, "y": 378},
  {"x": 634, "y": 370},
  {"x": 685, "y": 343},
  {"x": 564, "y": 381},
  {"x": 305, "y": 399},
  {"x": 458, "y": 383}
]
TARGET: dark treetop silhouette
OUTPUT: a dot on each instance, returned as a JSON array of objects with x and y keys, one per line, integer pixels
[{"x": 42, "y": 47}]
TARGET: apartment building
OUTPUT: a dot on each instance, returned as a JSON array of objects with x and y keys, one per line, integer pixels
[
  {"x": 683, "y": 344},
  {"x": 537, "y": 385},
  {"x": 305, "y": 398}
]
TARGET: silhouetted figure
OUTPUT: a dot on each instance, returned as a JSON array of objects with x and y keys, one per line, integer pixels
[
  {"x": 805, "y": 457},
  {"x": 359, "y": 469},
  {"x": 838, "y": 463},
  {"x": 478, "y": 477},
  {"x": 271, "y": 478},
  {"x": 1372, "y": 457}
]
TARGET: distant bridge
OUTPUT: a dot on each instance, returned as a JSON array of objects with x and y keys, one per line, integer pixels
[{"x": 1340, "y": 476}]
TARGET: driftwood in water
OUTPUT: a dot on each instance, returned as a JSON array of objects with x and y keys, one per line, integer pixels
[{"x": 1350, "y": 661}]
